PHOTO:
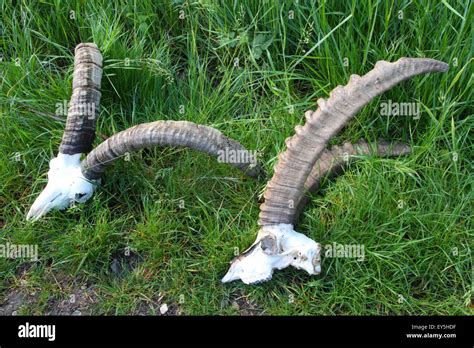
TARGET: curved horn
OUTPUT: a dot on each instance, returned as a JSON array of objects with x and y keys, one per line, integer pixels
[
  {"x": 286, "y": 187},
  {"x": 65, "y": 181},
  {"x": 85, "y": 100},
  {"x": 332, "y": 161},
  {"x": 169, "y": 133}
]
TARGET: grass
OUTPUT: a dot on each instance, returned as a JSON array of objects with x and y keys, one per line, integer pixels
[{"x": 250, "y": 69}]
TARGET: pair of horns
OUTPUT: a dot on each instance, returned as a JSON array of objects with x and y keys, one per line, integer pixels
[
  {"x": 83, "y": 111},
  {"x": 295, "y": 171},
  {"x": 299, "y": 168}
]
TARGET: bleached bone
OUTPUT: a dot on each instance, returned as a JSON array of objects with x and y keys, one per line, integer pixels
[
  {"x": 66, "y": 186},
  {"x": 276, "y": 247},
  {"x": 286, "y": 189}
]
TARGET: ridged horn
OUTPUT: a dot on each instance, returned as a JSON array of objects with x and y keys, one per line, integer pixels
[
  {"x": 85, "y": 100},
  {"x": 169, "y": 133},
  {"x": 286, "y": 188},
  {"x": 332, "y": 162}
]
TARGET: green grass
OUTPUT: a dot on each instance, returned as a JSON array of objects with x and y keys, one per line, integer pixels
[{"x": 249, "y": 69}]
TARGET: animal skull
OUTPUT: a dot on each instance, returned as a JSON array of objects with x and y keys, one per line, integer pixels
[
  {"x": 66, "y": 185},
  {"x": 276, "y": 247}
]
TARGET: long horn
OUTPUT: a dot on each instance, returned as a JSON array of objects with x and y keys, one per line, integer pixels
[
  {"x": 169, "y": 133},
  {"x": 332, "y": 161},
  {"x": 85, "y": 100},
  {"x": 65, "y": 182},
  {"x": 286, "y": 187}
]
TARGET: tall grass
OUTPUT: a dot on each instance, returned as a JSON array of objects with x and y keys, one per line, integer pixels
[{"x": 250, "y": 69}]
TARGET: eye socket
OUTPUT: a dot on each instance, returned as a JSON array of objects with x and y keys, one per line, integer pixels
[{"x": 79, "y": 195}]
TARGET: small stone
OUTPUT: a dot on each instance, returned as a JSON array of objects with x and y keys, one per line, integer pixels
[
  {"x": 164, "y": 309},
  {"x": 77, "y": 312},
  {"x": 115, "y": 266},
  {"x": 14, "y": 313}
]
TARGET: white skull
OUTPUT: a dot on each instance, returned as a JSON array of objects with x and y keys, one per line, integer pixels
[
  {"x": 66, "y": 185},
  {"x": 276, "y": 247}
]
